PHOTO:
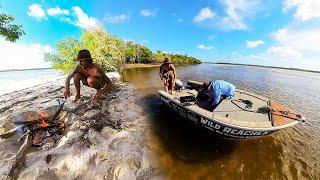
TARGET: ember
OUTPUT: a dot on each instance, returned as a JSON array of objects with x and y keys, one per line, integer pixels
[{"x": 44, "y": 123}]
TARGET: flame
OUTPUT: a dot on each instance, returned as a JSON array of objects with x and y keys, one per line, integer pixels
[
  {"x": 38, "y": 115},
  {"x": 43, "y": 114},
  {"x": 43, "y": 123}
]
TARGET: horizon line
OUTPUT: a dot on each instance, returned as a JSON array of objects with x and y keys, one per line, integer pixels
[{"x": 264, "y": 66}]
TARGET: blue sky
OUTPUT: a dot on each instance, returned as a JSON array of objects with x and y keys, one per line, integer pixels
[{"x": 266, "y": 32}]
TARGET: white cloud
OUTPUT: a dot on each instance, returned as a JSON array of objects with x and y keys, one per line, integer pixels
[
  {"x": 304, "y": 40},
  {"x": 253, "y": 44},
  {"x": 201, "y": 46},
  {"x": 57, "y": 11},
  {"x": 116, "y": 19},
  {"x": 295, "y": 46},
  {"x": 237, "y": 11},
  {"x": 305, "y": 9},
  {"x": 284, "y": 52},
  {"x": 83, "y": 20},
  {"x": 204, "y": 14},
  {"x": 67, "y": 20},
  {"x": 35, "y": 10},
  {"x": 23, "y": 56},
  {"x": 148, "y": 12}
]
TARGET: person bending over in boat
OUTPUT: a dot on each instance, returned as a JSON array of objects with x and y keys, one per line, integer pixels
[
  {"x": 168, "y": 75},
  {"x": 218, "y": 91},
  {"x": 90, "y": 74}
]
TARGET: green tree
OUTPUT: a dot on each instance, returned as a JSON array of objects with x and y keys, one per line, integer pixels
[
  {"x": 10, "y": 31},
  {"x": 158, "y": 57},
  {"x": 145, "y": 54},
  {"x": 130, "y": 52},
  {"x": 107, "y": 50},
  {"x": 67, "y": 50}
]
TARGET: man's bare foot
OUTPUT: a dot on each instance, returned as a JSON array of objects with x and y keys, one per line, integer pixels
[
  {"x": 76, "y": 98},
  {"x": 97, "y": 96}
]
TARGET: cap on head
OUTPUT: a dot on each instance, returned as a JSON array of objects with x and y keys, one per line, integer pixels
[{"x": 84, "y": 54}]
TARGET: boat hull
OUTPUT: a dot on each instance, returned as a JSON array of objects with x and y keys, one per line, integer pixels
[{"x": 220, "y": 129}]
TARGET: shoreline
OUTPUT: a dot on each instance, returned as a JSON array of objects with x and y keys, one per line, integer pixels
[
  {"x": 8, "y": 70},
  {"x": 272, "y": 67},
  {"x": 111, "y": 75},
  {"x": 129, "y": 66}
]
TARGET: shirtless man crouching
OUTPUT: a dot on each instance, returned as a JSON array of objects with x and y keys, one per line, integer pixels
[{"x": 90, "y": 74}]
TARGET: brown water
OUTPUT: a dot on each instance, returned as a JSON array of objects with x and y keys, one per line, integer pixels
[{"x": 188, "y": 152}]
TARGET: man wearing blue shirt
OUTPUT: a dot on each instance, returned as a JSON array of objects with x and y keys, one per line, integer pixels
[{"x": 218, "y": 91}]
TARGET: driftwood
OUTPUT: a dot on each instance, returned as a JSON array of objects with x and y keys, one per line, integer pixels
[
  {"x": 55, "y": 116},
  {"x": 11, "y": 132},
  {"x": 21, "y": 156}
]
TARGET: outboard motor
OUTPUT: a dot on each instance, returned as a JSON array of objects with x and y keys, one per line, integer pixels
[{"x": 179, "y": 84}]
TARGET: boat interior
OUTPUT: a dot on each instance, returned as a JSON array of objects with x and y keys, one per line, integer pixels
[{"x": 243, "y": 109}]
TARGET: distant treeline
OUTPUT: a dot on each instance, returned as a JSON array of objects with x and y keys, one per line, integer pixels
[
  {"x": 109, "y": 51},
  {"x": 137, "y": 53},
  {"x": 275, "y": 67}
]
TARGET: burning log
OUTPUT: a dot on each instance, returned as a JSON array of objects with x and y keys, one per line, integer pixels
[{"x": 31, "y": 122}]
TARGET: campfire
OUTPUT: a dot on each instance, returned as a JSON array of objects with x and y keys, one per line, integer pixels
[{"x": 41, "y": 130}]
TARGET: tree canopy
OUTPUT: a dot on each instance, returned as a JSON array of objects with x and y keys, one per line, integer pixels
[
  {"x": 106, "y": 50},
  {"x": 109, "y": 51},
  {"x": 10, "y": 31}
]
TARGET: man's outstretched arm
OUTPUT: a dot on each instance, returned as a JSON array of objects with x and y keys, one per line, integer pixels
[{"x": 66, "y": 93}]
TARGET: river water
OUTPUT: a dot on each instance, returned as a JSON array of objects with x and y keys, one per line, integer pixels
[
  {"x": 184, "y": 151},
  {"x": 16, "y": 80}
]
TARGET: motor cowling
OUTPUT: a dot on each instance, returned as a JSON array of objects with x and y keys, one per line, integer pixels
[{"x": 179, "y": 84}]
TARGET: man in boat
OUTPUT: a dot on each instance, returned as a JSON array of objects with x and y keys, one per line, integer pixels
[
  {"x": 90, "y": 74},
  {"x": 168, "y": 75},
  {"x": 218, "y": 90}
]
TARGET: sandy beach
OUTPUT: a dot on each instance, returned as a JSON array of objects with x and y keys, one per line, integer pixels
[{"x": 103, "y": 139}]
